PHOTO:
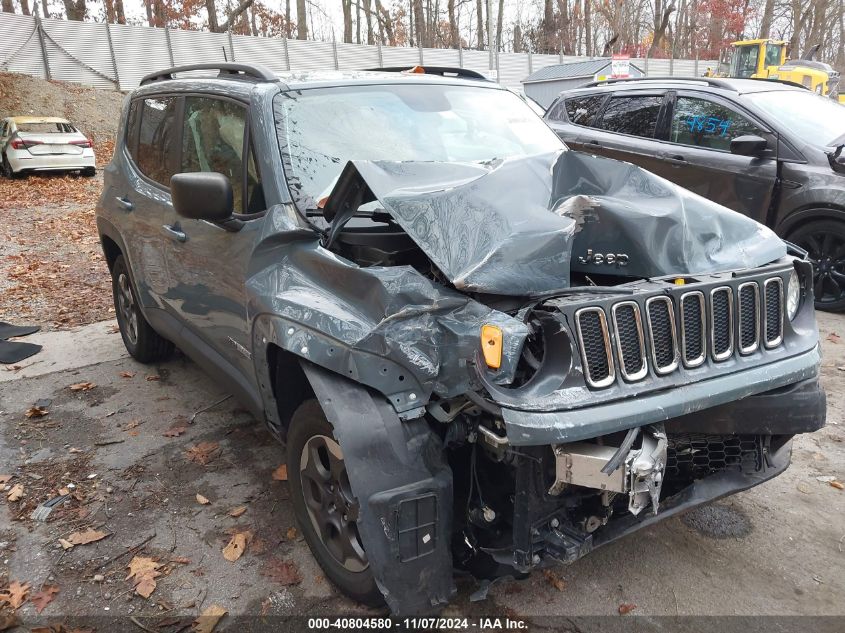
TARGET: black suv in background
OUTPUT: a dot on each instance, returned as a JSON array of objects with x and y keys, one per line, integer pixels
[{"x": 770, "y": 150}]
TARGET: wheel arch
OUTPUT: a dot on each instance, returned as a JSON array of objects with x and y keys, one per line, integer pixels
[
  {"x": 110, "y": 241},
  {"x": 808, "y": 213}
]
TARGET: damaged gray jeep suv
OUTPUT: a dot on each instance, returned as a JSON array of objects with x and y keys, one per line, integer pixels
[{"x": 483, "y": 351}]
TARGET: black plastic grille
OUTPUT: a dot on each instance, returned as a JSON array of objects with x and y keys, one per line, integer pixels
[
  {"x": 662, "y": 336},
  {"x": 595, "y": 349},
  {"x": 629, "y": 339},
  {"x": 698, "y": 455},
  {"x": 773, "y": 311},
  {"x": 693, "y": 327},
  {"x": 748, "y": 316},
  {"x": 721, "y": 321}
]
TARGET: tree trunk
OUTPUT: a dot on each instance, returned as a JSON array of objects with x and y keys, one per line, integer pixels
[
  {"x": 25, "y": 7},
  {"x": 120, "y": 15},
  {"x": 766, "y": 20},
  {"x": 234, "y": 15},
  {"x": 661, "y": 22},
  {"x": 499, "y": 19},
  {"x": 160, "y": 14},
  {"x": 301, "y": 21},
  {"x": 110, "y": 17},
  {"x": 7, "y": 6},
  {"x": 358, "y": 22},
  {"x": 517, "y": 38},
  {"x": 368, "y": 17},
  {"x": 211, "y": 7},
  {"x": 419, "y": 22},
  {"x": 148, "y": 5},
  {"x": 346, "y": 6},
  {"x": 287, "y": 19},
  {"x": 479, "y": 15},
  {"x": 75, "y": 9},
  {"x": 588, "y": 27},
  {"x": 563, "y": 26},
  {"x": 385, "y": 24},
  {"x": 453, "y": 24}
]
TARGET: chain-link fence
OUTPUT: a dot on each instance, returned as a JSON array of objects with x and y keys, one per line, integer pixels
[{"x": 119, "y": 55}]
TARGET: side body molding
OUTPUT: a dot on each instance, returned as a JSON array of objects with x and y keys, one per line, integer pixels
[{"x": 397, "y": 472}]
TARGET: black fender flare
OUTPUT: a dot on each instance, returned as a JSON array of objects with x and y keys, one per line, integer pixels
[
  {"x": 399, "y": 475},
  {"x": 809, "y": 213}
]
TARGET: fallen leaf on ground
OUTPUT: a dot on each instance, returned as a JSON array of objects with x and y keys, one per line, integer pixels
[
  {"x": 181, "y": 560},
  {"x": 175, "y": 431},
  {"x": 9, "y": 620},
  {"x": 236, "y": 512},
  {"x": 203, "y": 453},
  {"x": 16, "y": 594},
  {"x": 209, "y": 618},
  {"x": 152, "y": 378},
  {"x": 833, "y": 337},
  {"x": 143, "y": 571},
  {"x": 838, "y": 485},
  {"x": 82, "y": 386},
  {"x": 235, "y": 549},
  {"x": 554, "y": 580},
  {"x": 626, "y": 608},
  {"x": 44, "y": 597},
  {"x": 283, "y": 572},
  {"x": 281, "y": 473},
  {"x": 202, "y": 500},
  {"x": 291, "y": 534},
  {"x": 4, "y": 479},
  {"x": 36, "y": 412},
  {"x": 73, "y": 449},
  {"x": 132, "y": 424},
  {"x": 88, "y": 536},
  {"x": 65, "y": 543},
  {"x": 15, "y": 493},
  {"x": 127, "y": 374}
]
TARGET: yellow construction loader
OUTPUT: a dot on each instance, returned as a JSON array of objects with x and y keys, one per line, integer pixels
[{"x": 766, "y": 59}]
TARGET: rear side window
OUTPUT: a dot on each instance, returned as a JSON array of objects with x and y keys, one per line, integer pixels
[
  {"x": 158, "y": 139},
  {"x": 632, "y": 115},
  {"x": 583, "y": 110},
  {"x": 704, "y": 123}
]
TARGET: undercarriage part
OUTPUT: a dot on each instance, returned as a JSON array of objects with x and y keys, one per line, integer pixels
[{"x": 640, "y": 475}]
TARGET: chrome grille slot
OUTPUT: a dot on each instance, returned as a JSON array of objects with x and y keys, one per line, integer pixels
[
  {"x": 748, "y": 306},
  {"x": 721, "y": 323},
  {"x": 630, "y": 343},
  {"x": 693, "y": 337},
  {"x": 773, "y": 314},
  {"x": 661, "y": 328},
  {"x": 594, "y": 340}
]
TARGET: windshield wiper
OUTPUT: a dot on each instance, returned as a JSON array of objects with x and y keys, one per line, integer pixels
[{"x": 378, "y": 215}]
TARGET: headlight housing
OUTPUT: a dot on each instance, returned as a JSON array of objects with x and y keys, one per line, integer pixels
[{"x": 793, "y": 295}]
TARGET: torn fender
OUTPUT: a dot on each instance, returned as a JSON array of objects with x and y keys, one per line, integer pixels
[
  {"x": 404, "y": 486},
  {"x": 519, "y": 226}
]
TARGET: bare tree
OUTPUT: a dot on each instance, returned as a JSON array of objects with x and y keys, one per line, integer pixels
[
  {"x": 25, "y": 7},
  {"x": 479, "y": 16},
  {"x": 75, "y": 9},
  {"x": 346, "y": 6},
  {"x": 662, "y": 13}
]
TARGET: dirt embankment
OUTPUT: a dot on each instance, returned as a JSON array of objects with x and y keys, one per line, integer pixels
[{"x": 51, "y": 269}]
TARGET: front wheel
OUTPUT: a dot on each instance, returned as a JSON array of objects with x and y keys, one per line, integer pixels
[
  {"x": 325, "y": 508},
  {"x": 142, "y": 342},
  {"x": 824, "y": 240}
]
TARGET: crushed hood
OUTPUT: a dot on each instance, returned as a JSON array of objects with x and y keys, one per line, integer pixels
[{"x": 520, "y": 226}]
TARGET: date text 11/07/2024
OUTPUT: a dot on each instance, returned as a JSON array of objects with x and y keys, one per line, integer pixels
[{"x": 422, "y": 623}]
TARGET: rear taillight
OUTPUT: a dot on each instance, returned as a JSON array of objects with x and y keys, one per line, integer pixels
[
  {"x": 86, "y": 143},
  {"x": 20, "y": 144}
]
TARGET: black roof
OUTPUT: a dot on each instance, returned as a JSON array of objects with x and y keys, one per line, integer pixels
[{"x": 729, "y": 84}]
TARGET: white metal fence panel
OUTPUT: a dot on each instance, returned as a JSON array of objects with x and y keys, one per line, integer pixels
[
  {"x": 269, "y": 52},
  {"x": 357, "y": 56},
  {"x": 305, "y": 56},
  {"x": 20, "y": 48},
  {"x": 106, "y": 56},
  {"x": 139, "y": 51},
  {"x": 79, "y": 52}
]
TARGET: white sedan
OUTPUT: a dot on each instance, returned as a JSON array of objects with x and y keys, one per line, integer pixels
[{"x": 31, "y": 143}]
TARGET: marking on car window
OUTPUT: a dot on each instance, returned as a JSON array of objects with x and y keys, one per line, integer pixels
[{"x": 708, "y": 124}]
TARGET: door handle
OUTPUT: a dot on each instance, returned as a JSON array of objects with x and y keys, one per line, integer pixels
[
  {"x": 125, "y": 203},
  {"x": 175, "y": 233},
  {"x": 594, "y": 143},
  {"x": 676, "y": 159}
]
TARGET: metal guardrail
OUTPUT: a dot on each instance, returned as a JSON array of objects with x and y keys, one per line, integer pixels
[{"x": 119, "y": 55}]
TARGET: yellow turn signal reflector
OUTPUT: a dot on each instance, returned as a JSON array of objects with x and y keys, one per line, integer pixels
[
  {"x": 491, "y": 345},
  {"x": 680, "y": 281}
]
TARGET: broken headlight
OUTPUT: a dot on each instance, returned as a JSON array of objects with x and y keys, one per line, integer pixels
[{"x": 793, "y": 295}]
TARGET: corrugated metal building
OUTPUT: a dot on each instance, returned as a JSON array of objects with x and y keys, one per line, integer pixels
[{"x": 547, "y": 83}]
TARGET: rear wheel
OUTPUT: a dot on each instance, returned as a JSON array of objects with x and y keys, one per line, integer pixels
[
  {"x": 88, "y": 172},
  {"x": 6, "y": 168},
  {"x": 142, "y": 342},
  {"x": 824, "y": 240},
  {"x": 325, "y": 508}
]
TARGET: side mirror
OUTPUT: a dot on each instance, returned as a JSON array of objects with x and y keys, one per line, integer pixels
[
  {"x": 202, "y": 196},
  {"x": 749, "y": 145}
]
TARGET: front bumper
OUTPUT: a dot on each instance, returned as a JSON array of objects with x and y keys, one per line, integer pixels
[{"x": 533, "y": 428}]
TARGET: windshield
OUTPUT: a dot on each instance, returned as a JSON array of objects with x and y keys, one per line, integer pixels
[
  {"x": 744, "y": 61},
  {"x": 320, "y": 130},
  {"x": 815, "y": 119}
]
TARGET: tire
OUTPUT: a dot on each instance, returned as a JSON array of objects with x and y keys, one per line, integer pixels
[
  {"x": 824, "y": 240},
  {"x": 310, "y": 432},
  {"x": 7, "y": 169},
  {"x": 142, "y": 342},
  {"x": 89, "y": 172}
]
